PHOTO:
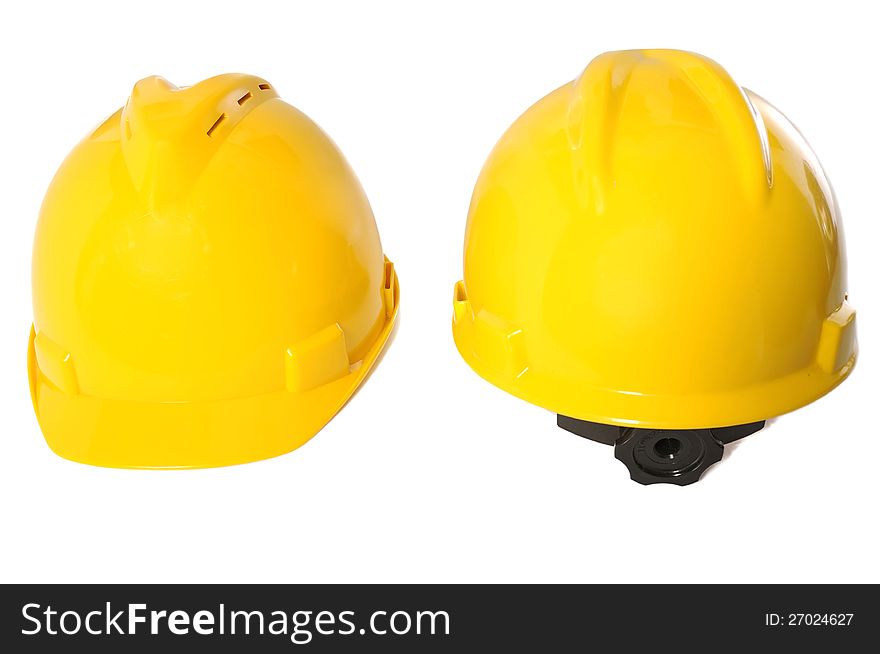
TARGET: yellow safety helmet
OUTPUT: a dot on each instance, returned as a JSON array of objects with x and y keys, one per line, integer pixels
[
  {"x": 656, "y": 255},
  {"x": 208, "y": 283}
]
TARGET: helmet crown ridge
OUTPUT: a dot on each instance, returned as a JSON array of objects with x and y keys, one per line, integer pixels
[
  {"x": 169, "y": 133},
  {"x": 625, "y": 104}
]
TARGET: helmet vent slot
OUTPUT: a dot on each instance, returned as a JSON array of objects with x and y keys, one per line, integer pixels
[
  {"x": 247, "y": 96},
  {"x": 265, "y": 87},
  {"x": 216, "y": 124}
]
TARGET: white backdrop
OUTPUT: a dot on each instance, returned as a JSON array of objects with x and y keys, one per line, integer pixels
[{"x": 430, "y": 473}]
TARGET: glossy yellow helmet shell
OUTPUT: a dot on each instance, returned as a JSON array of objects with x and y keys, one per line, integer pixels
[
  {"x": 208, "y": 283},
  {"x": 653, "y": 246}
]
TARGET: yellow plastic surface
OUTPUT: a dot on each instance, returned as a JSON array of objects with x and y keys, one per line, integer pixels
[
  {"x": 653, "y": 246},
  {"x": 208, "y": 283}
]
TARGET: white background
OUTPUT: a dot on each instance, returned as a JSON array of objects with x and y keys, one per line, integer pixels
[{"x": 430, "y": 473}]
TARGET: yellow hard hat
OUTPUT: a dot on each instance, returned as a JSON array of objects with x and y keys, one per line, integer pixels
[
  {"x": 656, "y": 255},
  {"x": 208, "y": 283}
]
